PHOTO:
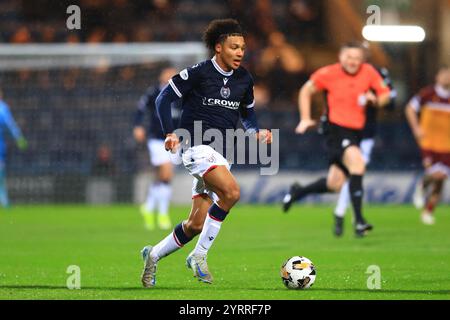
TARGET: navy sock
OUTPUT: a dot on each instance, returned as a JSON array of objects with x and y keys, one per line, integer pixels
[
  {"x": 217, "y": 213},
  {"x": 180, "y": 235}
]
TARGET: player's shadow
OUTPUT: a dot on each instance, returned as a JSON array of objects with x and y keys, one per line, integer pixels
[
  {"x": 344, "y": 290},
  {"x": 430, "y": 292},
  {"x": 54, "y": 287},
  {"x": 202, "y": 288}
]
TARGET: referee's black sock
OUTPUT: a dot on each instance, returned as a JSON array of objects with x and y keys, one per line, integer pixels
[
  {"x": 320, "y": 186},
  {"x": 356, "y": 195}
]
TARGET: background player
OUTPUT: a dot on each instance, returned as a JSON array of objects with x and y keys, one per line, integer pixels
[
  {"x": 366, "y": 146},
  {"x": 216, "y": 92},
  {"x": 7, "y": 123},
  {"x": 160, "y": 191},
  {"x": 348, "y": 85},
  {"x": 432, "y": 133}
]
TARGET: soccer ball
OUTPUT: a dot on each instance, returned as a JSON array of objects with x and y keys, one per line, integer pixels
[{"x": 298, "y": 273}]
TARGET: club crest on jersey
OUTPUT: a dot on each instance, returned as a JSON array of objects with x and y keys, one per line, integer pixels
[{"x": 225, "y": 92}]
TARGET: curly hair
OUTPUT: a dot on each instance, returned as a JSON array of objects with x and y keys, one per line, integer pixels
[{"x": 218, "y": 30}]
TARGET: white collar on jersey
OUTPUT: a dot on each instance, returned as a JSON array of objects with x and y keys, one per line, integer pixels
[
  {"x": 442, "y": 92},
  {"x": 218, "y": 68}
]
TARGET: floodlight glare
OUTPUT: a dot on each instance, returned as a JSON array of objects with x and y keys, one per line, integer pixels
[{"x": 378, "y": 33}]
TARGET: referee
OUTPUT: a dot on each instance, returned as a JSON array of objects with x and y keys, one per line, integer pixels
[{"x": 351, "y": 86}]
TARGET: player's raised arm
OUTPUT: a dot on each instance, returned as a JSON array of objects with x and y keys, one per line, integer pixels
[{"x": 304, "y": 106}]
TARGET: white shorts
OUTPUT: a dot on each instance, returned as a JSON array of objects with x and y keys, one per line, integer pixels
[
  {"x": 199, "y": 160},
  {"x": 158, "y": 154},
  {"x": 366, "y": 146},
  {"x": 438, "y": 168}
]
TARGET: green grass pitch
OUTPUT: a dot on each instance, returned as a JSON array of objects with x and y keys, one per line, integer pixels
[{"x": 39, "y": 243}]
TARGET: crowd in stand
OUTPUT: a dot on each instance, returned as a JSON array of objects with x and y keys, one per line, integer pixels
[
  {"x": 276, "y": 33},
  {"x": 275, "y": 28}
]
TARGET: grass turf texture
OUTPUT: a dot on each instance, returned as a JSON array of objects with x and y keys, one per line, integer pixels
[{"x": 38, "y": 243}]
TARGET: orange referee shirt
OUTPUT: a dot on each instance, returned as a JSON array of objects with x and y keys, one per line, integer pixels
[{"x": 346, "y": 101}]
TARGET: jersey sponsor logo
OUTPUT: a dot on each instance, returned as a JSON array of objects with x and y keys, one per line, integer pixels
[
  {"x": 234, "y": 105},
  {"x": 225, "y": 92},
  {"x": 184, "y": 74}
]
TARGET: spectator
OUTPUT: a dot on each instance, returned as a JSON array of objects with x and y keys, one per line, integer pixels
[
  {"x": 258, "y": 21},
  {"x": 284, "y": 65},
  {"x": 142, "y": 33},
  {"x": 303, "y": 20},
  {"x": 73, "y": 38},
  {"x": 104, "y": 164},
  {"x": 119, "y": 37},
  {"x": 262, "y": 96},
  {"x": 22, "y": 35},
  {"x": 98, "y": 35},
  {"x": 48, "y": 34}
]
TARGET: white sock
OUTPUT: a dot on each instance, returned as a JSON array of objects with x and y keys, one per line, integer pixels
[
  {"x": 344, "y": 201},
  {"x": 165, "y": 247},
  {"x": 150, "y": 204},
  {"x": 164, "y": 194},
  {"x": 209, "y": 233}
]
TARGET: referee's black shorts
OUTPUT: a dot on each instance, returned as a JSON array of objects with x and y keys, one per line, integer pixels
[{"x": 338, "y": 140}]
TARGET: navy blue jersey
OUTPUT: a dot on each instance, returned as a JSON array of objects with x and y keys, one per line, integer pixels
[
  {"x": 147, "y": 104},
  {"x": 212, "y": 96}
]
